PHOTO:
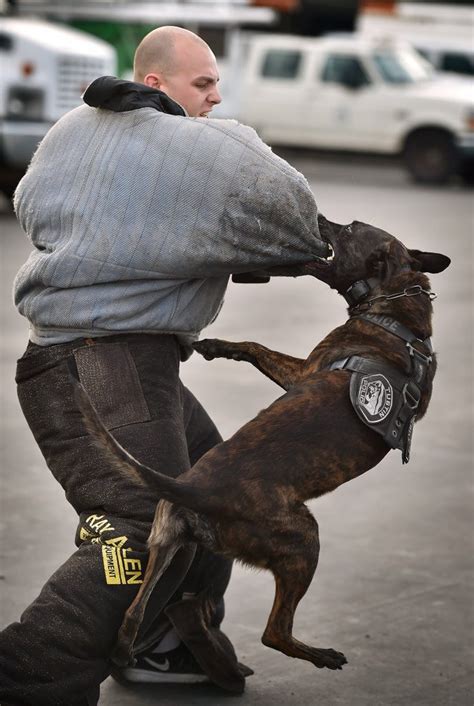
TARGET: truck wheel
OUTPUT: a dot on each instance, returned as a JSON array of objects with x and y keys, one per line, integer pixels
[
  {"x": 9, "y": 178},
  {"x": 8, "y": 190},
  {"x": 466, "y": 172},
  {"x": 430, "y": 156}
]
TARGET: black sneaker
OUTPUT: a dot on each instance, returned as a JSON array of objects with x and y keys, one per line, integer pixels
[{"x": 175, "y": 667}]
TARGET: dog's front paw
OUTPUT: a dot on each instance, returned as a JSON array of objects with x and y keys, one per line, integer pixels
[
  {"x": 211, "y": 348},
  {"x": 328, "y": 658}
]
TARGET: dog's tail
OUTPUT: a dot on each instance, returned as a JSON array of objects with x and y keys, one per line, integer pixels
[
  {"x": 167, "y": 538},
  {"x": 168, "y": 488}
]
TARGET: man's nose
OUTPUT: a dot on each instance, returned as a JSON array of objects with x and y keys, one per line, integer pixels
[{"x": 215, "y": 96}]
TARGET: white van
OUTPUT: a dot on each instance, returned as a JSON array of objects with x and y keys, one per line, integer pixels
[
  {"x": 358, "y": 94},
  {"x": 44, "y": 69}
]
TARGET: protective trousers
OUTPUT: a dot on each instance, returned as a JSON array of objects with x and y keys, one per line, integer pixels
[{"x": 57, "y": 655}]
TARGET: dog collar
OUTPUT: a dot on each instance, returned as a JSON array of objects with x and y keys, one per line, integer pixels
[
  {"x": 358, "y": 291},
  {"x": 356, "y": 295}
]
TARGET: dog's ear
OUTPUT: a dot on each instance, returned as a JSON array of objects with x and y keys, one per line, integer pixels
[
  {"x": 432, "y": 262},
  {"x": 386, "y": 260}
]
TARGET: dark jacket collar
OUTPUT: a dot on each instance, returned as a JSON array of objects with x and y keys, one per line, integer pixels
[{"x": 118, "y": 95}]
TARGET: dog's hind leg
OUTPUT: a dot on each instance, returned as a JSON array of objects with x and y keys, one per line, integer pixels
[
  {"x": 166, "y": 538},
  {"x": 293, "y": 571},
  {"x": 283, "y": 369}
]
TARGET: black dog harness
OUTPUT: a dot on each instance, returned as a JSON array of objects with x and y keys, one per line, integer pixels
[{"x": 383, "y": 397}]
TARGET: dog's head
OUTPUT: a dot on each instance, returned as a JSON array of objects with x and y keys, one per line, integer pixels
[{"x": 361, "y": 251}]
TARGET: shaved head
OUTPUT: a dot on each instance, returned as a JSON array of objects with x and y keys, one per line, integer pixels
[
  {"x": 181, "y": 64},
  {"x": 159, "y": 51}
]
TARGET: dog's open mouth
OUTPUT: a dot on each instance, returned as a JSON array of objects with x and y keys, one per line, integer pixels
[
  {"x": 321, "y": 263},
  {"x": 327, "y": 231},
  {"x": 331, "y": 254}
]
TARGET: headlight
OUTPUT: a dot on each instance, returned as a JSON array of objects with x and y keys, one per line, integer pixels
[{"x": 25, "y": 103}]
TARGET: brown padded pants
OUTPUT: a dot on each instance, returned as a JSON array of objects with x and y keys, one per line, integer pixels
[{"x": 57, "y": 655}]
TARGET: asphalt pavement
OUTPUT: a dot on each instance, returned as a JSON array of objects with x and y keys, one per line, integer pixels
[{"x": 394, "y": 586}]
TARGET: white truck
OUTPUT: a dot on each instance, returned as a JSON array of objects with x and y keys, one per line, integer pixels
[
  {"x": 443, "y": 34},
  {"x": 362, "y": 95},
  {"x": 44, "y": 69}
]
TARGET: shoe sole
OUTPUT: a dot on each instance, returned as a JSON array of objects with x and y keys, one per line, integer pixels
[{"x": 144, "y": 676}]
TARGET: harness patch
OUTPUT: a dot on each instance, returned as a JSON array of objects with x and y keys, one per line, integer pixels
[
  {"x": 374, "y": 398},
  {"x": 388, "y": 404}
]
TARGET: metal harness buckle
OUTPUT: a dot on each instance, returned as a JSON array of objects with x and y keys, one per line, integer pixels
[
  {"x": 411, "y": 395},
  {"x": 414, "y": 353}
]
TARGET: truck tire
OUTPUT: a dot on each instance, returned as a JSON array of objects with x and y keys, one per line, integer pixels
[
  {"x": 8, "y": 190},
  {"x": 430, "y": 156},
  {"x": 466, "y": 172},
  {"x": 9, "y": 178}
]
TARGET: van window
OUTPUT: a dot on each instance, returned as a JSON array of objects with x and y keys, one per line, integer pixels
[
  {"x": 460, "y": 63},
  {"x": 344, "y": 69},
  {"x": 281, "y": 63}
]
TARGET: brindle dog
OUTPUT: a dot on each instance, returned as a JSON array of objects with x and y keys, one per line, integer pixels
[{"x": 246, "y": 497}]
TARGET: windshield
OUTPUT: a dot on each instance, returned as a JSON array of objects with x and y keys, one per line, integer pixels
[{"x": 401, "y": 67}]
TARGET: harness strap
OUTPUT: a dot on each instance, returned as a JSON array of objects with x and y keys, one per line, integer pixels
[
  {"x": 366, "y": 365},
  {"x": 398, "y": 329},
  {"x": 420, "y": 362}
]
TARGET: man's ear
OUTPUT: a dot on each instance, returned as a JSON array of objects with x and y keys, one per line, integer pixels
[
  {"x": 432, "y": 262},
  {"x": 152, "y": 81}
]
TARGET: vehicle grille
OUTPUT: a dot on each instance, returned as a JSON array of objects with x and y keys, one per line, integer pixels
[{"x": 74, "y": 75}]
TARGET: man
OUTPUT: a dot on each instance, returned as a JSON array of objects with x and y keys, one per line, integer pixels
[{"x": 139, "y": 209}]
